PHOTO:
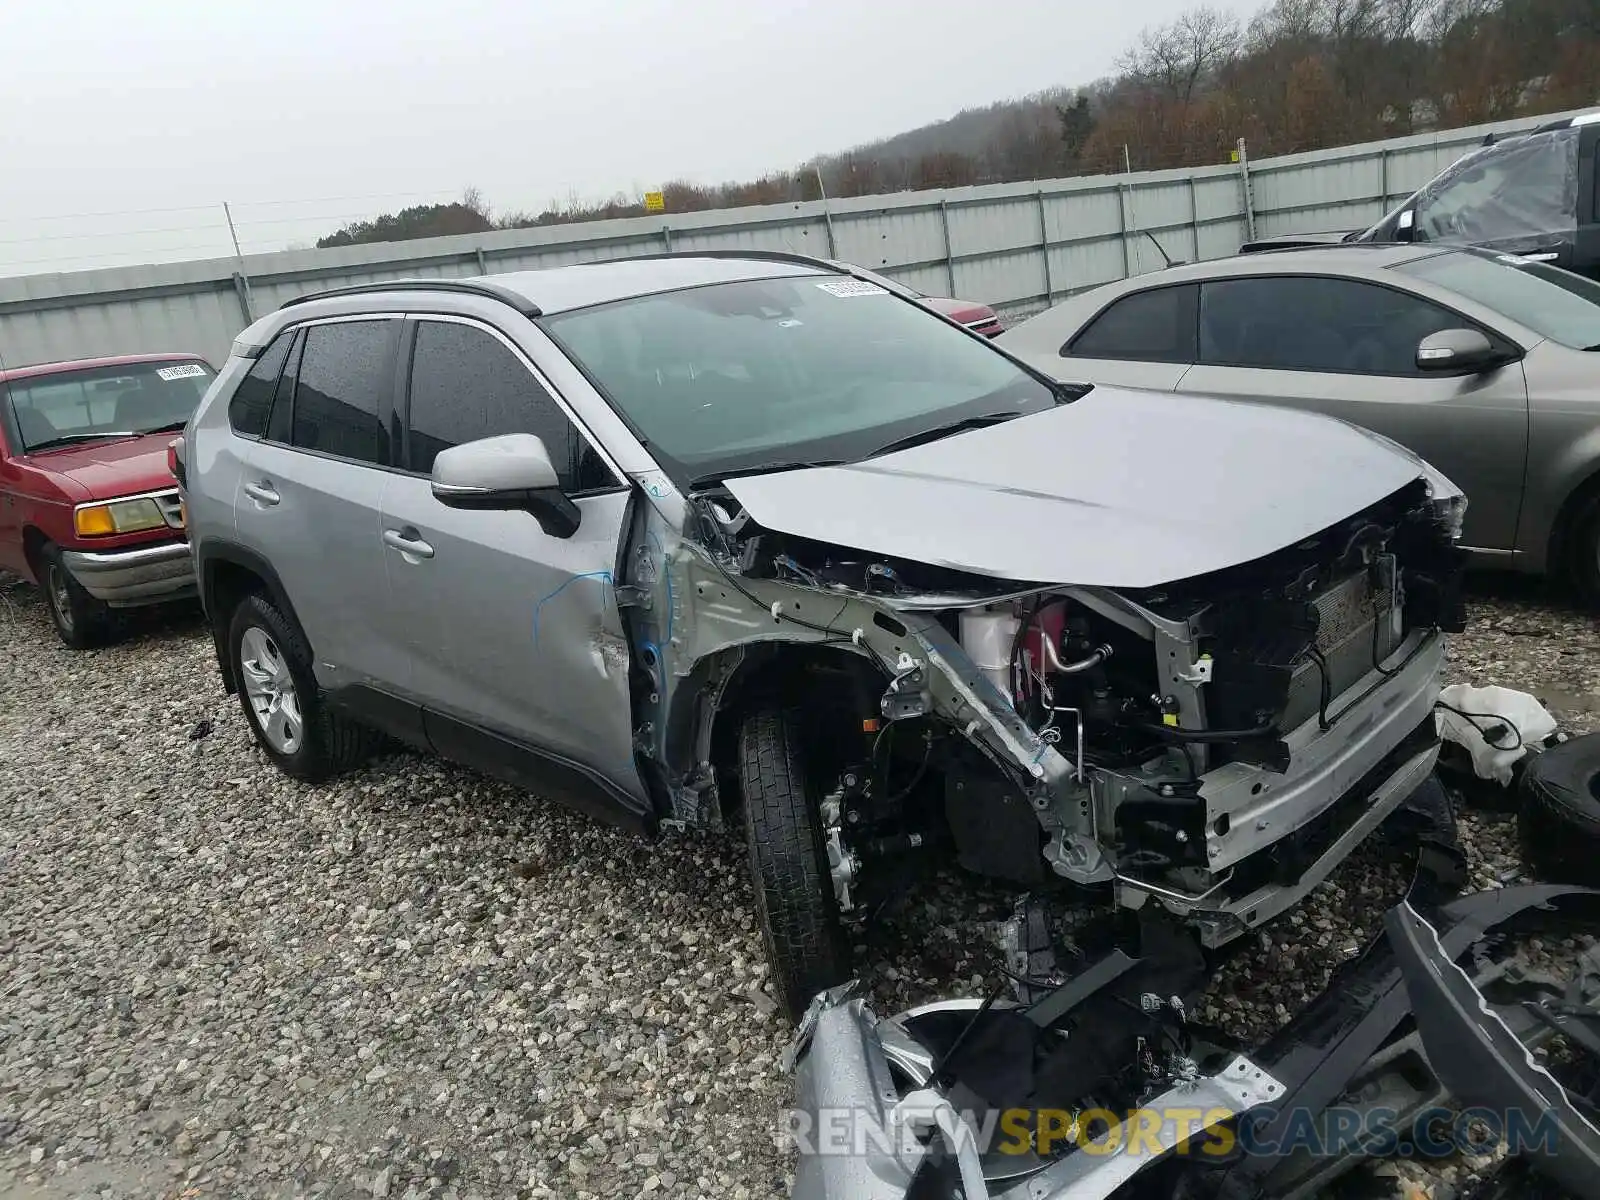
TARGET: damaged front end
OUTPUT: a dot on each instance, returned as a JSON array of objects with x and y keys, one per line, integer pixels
[
  {"x": 1099, "y": 1087},
  {"x": 1214, "y": 746}
]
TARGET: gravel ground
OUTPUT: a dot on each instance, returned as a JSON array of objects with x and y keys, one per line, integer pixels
[{"x": 415, "y": 982}]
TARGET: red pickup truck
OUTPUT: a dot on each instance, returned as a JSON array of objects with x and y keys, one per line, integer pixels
[{"x": 89, "y": 507}]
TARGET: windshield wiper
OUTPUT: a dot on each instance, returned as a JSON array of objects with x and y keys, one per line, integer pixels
[
  {"x": 171, "y": 427},
  {"x": 68, "y": 439},
  {"x": 1594, "y": 349},
  {"x": 943, "y": 431},
  {"x": 773, "y": 468}
]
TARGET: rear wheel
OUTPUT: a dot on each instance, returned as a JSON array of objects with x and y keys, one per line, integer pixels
[
  {"x": 283, "y": 705},
  {"x": 81, "y": 621},
  {"x": 799, "y": 916}
]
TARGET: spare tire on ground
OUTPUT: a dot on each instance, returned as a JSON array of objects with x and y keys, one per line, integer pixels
[{"x": 1559, "y": 821}]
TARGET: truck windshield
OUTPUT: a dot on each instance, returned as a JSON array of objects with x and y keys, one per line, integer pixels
[
  {"x": 1522, "y": 187},
  {"x": 1555, "y": 304},
  {"x": 736, "y": 376},
  {"x": 67, "y": 407}
]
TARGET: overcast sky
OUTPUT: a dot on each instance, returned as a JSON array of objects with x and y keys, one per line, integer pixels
[{"x": 123, "y": 125}]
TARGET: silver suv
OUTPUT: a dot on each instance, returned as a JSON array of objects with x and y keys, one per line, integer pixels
[{"x": 756, "y": 538}]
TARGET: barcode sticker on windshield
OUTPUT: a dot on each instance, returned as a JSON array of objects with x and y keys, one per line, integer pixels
[
  {"x": 852, "y": 287},
  {"x": 185, "y": 371}
]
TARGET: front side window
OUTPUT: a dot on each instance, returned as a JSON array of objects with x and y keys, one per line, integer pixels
[
  {"x": 69, "y": 407},
  {"x": 346, "y": 371},
  {"x": 1153, "y": 326},
  {"x": 466, "y": 384},
  {"x": 1553, "y": 303},
  {"x": 1315, "y": 323},
  {"x": 1519, "y": 188},
  {"x": 739, "y": 376}
]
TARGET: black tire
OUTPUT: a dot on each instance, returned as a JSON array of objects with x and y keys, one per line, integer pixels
[
  {"x": 81, "y": 621},
  {"x": 1583, "y": 551},
  {"x": 329, "y": 742},
  {"x": 1559, "y": 821},
  {"x": 799, "y": 916}
]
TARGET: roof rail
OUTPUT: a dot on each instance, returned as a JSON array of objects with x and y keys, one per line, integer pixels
[
  {"x": 783, "y": 256},
  {"x": 471, "y": 287}
]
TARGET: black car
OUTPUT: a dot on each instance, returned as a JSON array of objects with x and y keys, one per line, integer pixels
[{"x": 1535, "y": 195}]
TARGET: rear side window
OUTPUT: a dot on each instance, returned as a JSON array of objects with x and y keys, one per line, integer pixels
[
  {"x": 346, "y": 376},
  {"x": 252, "y": 399},
  {"x": 1153, "y": 326},
  {"x": 466, "y": 384}
]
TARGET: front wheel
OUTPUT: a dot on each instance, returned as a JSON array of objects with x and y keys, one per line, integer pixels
[
  {"x": 81, "y": 621},
  {"x": 799, "y": 916},
  {"x": 1583, "y": 552}
]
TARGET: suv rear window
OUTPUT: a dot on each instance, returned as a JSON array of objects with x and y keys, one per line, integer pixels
[
  {"x": 251, "y": 404},
  {"x": 1155, "y": 326},
  {"x": 346, "y": 371}
]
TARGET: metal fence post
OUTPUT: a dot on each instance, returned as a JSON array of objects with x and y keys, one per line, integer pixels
[
  {"x": 949, "y": 251},
  {"x": 1044, "y": 249},
  {"x": 241, "y": 289},
  {"x": 1383, "y": 178},
  {"x": 666, "y": 238},
  {"x": 1122, "y": 223},
  {"x": 1194, "y": 217},
  {"x": 483, "y": 262},
  {"x": 1249, "y": 200}
]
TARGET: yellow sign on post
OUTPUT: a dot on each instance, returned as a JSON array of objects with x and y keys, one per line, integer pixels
[
  {"x": 1233, "y": 155},
  {"x": 654, "y": 202}
]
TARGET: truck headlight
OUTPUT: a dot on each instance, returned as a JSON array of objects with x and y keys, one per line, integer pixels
[{"x": 117, "y": 516}]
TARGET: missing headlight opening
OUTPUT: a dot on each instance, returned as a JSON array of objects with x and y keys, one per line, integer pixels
[{"x": 1210, "y": 748}]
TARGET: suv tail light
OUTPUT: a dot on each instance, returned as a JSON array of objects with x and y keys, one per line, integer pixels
[{"x": 175, "y": 459}]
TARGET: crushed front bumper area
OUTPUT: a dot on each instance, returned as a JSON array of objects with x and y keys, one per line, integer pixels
[
  {"x": 137, "y": 576},
  {"x": 882, "y": 1116}
]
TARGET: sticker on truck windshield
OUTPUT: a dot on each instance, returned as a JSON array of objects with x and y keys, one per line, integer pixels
[
  {"x": 185, "y": 371},
  {"x": 852, "y": 287}
]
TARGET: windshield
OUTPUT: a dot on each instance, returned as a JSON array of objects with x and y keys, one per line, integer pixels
[
  {"x": 1523, "y": 187},
  {"x": 1553, "y": 303},
  {"x": 738, "y": 376},
  {"x": 67, "y": 407}
]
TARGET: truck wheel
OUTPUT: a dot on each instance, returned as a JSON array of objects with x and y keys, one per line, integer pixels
[
  {"x": 82, "y": 621},
  {"x": 282, "y": 703},
  {"x": 794, "y": 893},
  {"x": 1559, "y": 822}
]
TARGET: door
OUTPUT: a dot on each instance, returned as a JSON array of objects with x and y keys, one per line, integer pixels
[
  {"x": 1145, "y": 339},
  {"x": 516, "y": 631},
  {"x": 1347, "y": 348},
  {"x": 310, "y": 500}
]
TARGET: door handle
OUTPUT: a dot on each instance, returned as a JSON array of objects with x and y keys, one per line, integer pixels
[
  {"x": 408, "y": 541},
  {"x": 262, "y": 493}
]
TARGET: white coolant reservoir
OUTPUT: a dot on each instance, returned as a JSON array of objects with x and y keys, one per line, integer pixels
[{"x": 988, "y": 635}]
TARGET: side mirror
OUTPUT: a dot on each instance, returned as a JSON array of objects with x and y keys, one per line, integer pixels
[
  {"x": 512, "y": 471},
  {"x": 1405, "y": 225},
  {"x": 1457, "y": 351}
]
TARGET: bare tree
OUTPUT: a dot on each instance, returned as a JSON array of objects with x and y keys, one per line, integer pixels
[{"x": 1177, "y": 59}]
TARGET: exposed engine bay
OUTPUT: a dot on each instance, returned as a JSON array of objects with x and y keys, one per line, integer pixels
[{"x": 1215, "y": 745}]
